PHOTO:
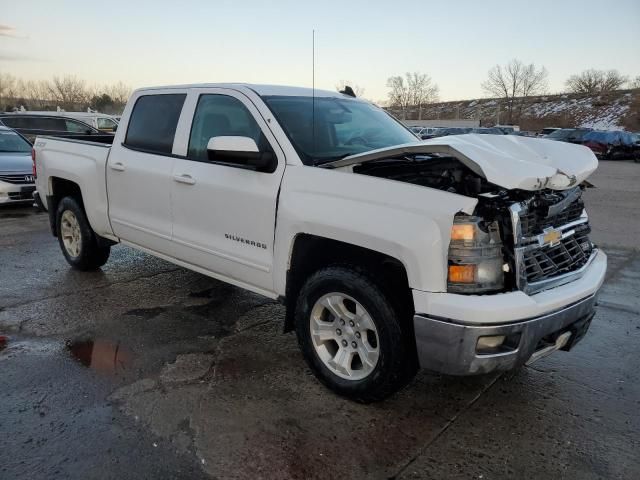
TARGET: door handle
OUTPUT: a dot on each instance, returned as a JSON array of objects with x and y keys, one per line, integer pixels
[
  {"x": 185, "y": 178},
  {"x": 117, "y": 166}
]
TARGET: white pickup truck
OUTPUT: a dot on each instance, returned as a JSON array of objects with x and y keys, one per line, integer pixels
[{"x": 464, "y": 254}]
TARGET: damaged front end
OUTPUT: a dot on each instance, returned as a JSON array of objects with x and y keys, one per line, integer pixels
[{"x": 515, "y": 239}]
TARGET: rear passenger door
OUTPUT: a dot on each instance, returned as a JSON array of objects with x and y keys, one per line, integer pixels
[
  {"x": 224, "y": 214},
  {"x": 139, "y": 171}
]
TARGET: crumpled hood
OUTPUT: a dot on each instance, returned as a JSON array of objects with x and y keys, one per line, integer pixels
[{"x": 509, "y": 161}]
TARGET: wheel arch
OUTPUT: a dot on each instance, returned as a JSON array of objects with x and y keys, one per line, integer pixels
[
  {"x": 310, "y": 253},
  {"x": 58, "y": 189}
]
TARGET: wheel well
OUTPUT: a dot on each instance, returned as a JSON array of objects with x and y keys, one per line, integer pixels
[
  {"x": 60, "y": 188},
  {"x": 311, "y": 253}
]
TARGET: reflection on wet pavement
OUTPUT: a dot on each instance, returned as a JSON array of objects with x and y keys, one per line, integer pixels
[
  {"x": 3, "y": 342},
  {"x": 100, "y": 355}
]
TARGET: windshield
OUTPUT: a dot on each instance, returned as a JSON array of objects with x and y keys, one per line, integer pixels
[
  {"x": 343, "y": 127},
  {"x": 12, "y": 142}
]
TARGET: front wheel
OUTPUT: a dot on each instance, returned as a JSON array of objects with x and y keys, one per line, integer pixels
[
  {"x": 351, "y": 335},
  {"x": 77, "y": 240}
]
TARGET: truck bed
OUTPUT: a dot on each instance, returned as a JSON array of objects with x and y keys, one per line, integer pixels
[{"x": 82, "y": 162}]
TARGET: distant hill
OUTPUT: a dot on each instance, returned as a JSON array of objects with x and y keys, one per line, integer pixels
[{"x": 614, "y": 110}]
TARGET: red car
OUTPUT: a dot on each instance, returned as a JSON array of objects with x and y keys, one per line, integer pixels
[{"x": 612, "y": 145}]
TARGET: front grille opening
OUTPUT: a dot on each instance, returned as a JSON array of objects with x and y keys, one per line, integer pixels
[
  {"x": 569, "y": 255},
  {"x": 534, "y": 222},
  {"x": 17, "y": 179}
]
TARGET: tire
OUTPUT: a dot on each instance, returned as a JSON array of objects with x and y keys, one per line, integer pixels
[
  {"x": 395, "y": 360},
  {"x": 77, "y": 240}
]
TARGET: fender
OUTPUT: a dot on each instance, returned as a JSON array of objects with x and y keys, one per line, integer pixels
[{"x": 408, "y": 222}]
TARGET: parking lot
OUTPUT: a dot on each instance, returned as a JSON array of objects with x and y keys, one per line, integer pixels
[{"x": 147, "y": 370}]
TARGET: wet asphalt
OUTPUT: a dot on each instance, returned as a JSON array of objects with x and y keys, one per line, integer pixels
[{"x": 147, "y": 370}]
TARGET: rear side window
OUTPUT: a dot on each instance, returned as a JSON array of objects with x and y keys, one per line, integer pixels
[
  {"x": 153, "y": 122},
  {"x": 12, "y": 122},
  {"x": 106, "y": 123},
  {"x": 36, "y": 123},
  {"x": 77, "y": 127}
]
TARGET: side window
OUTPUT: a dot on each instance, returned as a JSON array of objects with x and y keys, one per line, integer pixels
[
  {"x": 76, "y": 127},
  {"x": 221, "y": 115},
  {"x": 13, "y": 122},
  {"x": 46, "y": 123},
  {"x": 106, "y": 123},
  {"x": 153, "y": 122}
]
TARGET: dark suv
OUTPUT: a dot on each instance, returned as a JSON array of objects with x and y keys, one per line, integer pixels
[{"x": 30, "y": 126}]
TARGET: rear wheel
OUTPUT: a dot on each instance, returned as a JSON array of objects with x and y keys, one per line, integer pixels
[
  {"x": 351, "y": 335},
  {"x": 77, "y": 240}
]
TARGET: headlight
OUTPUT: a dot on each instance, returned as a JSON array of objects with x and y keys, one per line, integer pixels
[{"x": 475, "y": 256}]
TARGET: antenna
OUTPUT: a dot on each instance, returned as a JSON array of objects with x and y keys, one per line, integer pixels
[{"x": 313, "y": 93}]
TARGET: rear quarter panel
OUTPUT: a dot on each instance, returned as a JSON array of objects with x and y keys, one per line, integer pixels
[{"x": 82, "y": 163}]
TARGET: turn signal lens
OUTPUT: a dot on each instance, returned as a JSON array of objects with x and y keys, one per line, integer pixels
[
  {"x": 462, "y": 273},
  {"x": 463, "y": 231}
]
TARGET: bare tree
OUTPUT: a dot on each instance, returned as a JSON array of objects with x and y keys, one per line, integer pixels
[
  {"x": 69, "y": 91},
  {"x": 635, "y": 83},
  {"x": 36, "y": 93},
  {"x": 119, "y": 93},
  {"x": 421, "y": 90},
  {"x": 514, "y": 83},
  {"x": 8, "y": 86},
  {"x": 613, "y": 80},
  {"x": 595, "y": 81},
  {"x": 414, "y": 90},
  {"x": 357, "y": 89},
  {"x": 399, "y": 95}
]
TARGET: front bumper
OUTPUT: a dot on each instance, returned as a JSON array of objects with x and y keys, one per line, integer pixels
[
  {"x": 531, "y": 324},
  {"x": 16, "y": 193}
]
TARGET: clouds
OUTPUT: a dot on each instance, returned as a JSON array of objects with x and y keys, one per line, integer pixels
[{"x": 9, "y": 31}]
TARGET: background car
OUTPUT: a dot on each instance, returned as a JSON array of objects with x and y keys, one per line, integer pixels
[
  {"x": 428, "y": 132},
  {"x": 487, "y": 131},
  {"x": 17, "y": 183},
  {"x": 570, "y": 135},
  {"x": 30, "y": 126},
  {"x": 615, "y": 144},
  {"x": 548, "y": 130},
  {"x": 444, "y": 132}
]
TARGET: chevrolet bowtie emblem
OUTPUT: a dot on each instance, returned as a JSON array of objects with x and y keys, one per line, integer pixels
[{"x": 551, "y": 236}]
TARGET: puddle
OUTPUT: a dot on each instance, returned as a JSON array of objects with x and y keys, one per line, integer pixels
[{"x": 100, "y": 355}]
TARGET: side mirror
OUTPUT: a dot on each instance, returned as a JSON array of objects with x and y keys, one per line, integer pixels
[{"x": 240, "y": 151}]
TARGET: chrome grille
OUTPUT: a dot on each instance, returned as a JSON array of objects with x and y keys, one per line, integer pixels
[
  {"x": 22, "y": 178},
  {"x": 550, "y": 249},
  {"x": 534, "y": 223},
  {"x": 570, "y": 254}
]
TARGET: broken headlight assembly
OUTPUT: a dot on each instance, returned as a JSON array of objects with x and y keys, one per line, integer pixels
[{"x": 476, "y": 262}]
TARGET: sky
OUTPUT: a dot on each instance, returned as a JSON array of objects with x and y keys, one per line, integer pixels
[{"x": 144, "y": 43}]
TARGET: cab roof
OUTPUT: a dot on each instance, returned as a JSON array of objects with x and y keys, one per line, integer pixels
[{"x": 262, "y": 90}]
